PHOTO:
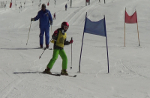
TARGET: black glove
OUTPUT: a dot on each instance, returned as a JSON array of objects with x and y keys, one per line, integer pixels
[
  {"x": 54, "y": 37},
  {"x": 32, "y": 19},
  {"x": 51, "y": 22}
]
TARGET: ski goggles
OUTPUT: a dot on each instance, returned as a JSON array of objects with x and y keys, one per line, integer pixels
[{"x": 66, "y": 27}]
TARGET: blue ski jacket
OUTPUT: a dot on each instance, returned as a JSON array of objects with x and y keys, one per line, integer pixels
[{"x": 45, "y": 18}]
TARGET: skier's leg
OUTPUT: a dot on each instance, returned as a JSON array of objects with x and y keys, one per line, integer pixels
[
  {"x": 64, "y": 59},
  {"x": 47, "y": 36},
  {"x": 41, "y": 36},
  {"x": 54, "y": 58}
]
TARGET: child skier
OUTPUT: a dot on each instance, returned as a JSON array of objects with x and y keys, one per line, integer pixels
[{"x": 59, "y": 40}]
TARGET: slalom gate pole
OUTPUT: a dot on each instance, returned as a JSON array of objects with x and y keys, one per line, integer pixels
[
  {"x": 82, "y": 43},
  {"x": 71, "y": 54},
  {"x": 107, "y": 46},
  {"x": 107, "y": 54},
  {"x": 138, "y": 34},
  {"x": 124, "y": 31},
  {"x": 29, "y": 32},
  {"x": 138, "y": 31}
]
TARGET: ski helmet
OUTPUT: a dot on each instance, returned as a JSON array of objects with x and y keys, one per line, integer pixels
[{"x": 65, "y": 24}]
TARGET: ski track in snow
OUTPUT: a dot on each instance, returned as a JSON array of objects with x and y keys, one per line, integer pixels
[{"x": 9, "y": 88}]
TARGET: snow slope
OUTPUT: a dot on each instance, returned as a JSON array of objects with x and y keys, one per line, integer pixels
[{"x": 129, "y": 75}]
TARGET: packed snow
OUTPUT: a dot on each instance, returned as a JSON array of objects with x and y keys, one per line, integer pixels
[{"x": 20, "y": 65}]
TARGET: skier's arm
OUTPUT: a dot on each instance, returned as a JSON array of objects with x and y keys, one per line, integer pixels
[
  {"x": 37, "y": 17},
  {"x": 55, "y": 35}
]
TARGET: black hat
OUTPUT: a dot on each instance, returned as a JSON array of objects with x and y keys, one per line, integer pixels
[{"x": 43, "y": 6}]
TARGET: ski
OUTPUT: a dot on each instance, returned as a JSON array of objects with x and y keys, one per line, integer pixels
[
  {"x": 53, "y": 74},
  {"x": 70, "y": 75},
  {"x": 56, "y": 74}
]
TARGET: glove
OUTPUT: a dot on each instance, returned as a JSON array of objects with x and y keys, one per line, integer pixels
[
  {"x": 32, "y": 19},
  {"x": 51, "y": 22},
  {"x": 71, "y": 41},
  {"x": 54, "y": 37}
]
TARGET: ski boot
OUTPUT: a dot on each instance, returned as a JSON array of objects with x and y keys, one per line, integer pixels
[
  {"x": 41, "y": 46},
  {"x": 64, "y": 72},
  {"x": 47, "y": 71},
  {"x": 47, "y": 46}
]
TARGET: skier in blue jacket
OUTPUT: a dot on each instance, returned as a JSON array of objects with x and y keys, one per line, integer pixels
[{"x": 45, "y": 20}]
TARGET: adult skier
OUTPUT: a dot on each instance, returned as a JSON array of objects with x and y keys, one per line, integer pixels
[
  {"x": 59, "y": 40},
  {"x": 45, "y": 20}
]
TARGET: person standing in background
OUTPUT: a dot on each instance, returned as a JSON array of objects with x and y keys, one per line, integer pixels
[{"x": 45, "y": 20}]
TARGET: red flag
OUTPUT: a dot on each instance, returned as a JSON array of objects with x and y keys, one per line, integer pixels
[
  {"x": 48, "y": 4},
  {"x": 130, "y": 19},
  {"x": 10, "y": 4}
]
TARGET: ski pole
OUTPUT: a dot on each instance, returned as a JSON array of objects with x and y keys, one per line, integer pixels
[
  {"x": 71, "y": 54},
  {"x": 29, "y": 32},
  {"x": 42, "y": 53},
  {"x": 51, "y": 28},
  {"x": 44, "y": 49}
]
